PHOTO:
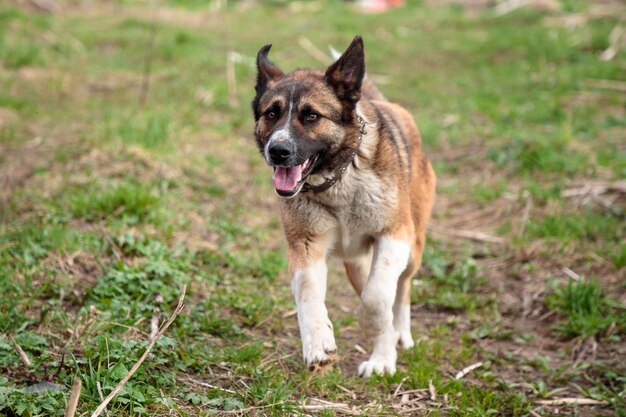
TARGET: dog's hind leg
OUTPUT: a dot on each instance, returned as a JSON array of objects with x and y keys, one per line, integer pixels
[
  {"x": 358, "y": 271},
  {"x": 402, "y": 303}
]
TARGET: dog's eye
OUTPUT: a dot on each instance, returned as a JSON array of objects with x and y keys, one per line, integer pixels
[
  {"x": 311, "y": 117},
  {"x": 270, "y": 115}
]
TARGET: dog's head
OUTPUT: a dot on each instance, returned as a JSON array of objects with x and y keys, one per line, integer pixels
[{"x": 305, "y": 120}]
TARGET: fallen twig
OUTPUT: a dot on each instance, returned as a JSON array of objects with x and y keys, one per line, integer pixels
[
  {"x": 231, "y": 79},
  {"x": 573, "y": 275},
  {"x": 156, "y": 316},
  {"x": 290, "y": 313},
  {"x": 360, "y": 349},
  {"x": 431, "y": 390},
  {"x": 479, "y": 236},
  {"x": 207, "y": 385},
  {"x": 615, "y": 85},
  {"x": 99, "y": 389},
  {"x": 546, "y": 315},
  {"x": 327, "y": 405},
  {"x": 571, "y": 401},
  {"x": 599, "y": 192},
  {"x": 468, "y": 234},
  {"x": 411, "y": 411},
  {"x": 72, "y": 404},
  {"x": 412, "y": 391},
  {"x": 596, "y": 188},
  {"x": 21, "y": 352},
  {"x": 319, "y": 407},
  {"x": 143, "y": 357},
  {"x": 346, "y": 390},
  {"x": 47, "y": 6},
  {"x": 61, "y": 363},
  {"x": 510, "y": 6},
  {"x": 616, "y": 42},
  {"x": 467, "y": 370},
  {"x": 395, "y": 393}
]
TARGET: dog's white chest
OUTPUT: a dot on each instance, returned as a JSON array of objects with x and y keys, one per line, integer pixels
[{"x": 363, "y": 216}]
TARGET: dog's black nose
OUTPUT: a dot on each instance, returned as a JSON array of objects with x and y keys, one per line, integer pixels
[{"x": 281, "y": 152}]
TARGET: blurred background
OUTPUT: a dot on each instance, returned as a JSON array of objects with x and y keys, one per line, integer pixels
[{"x": 128, "y": 168}]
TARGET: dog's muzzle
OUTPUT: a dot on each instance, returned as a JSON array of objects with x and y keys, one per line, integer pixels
[{"x": 288, "y": 180}]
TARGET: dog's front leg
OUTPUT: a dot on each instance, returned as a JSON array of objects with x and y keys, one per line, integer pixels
[
  {"x": 391, "y": 256},
  {"x": 316, "y": 330}
]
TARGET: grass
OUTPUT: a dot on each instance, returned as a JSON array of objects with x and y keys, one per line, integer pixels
[
  {"x": 125, "y": 200},
  {"x": 587, "y": 310},
  {"x": 109, "y": 206}
]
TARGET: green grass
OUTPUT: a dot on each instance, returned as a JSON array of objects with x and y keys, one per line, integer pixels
[
  {"x": 150, "y": 133},
  {"x": 125, "y": 200},
  {"x": 589, "y": 225},
  {"x": 586, "y": 309},
  {"x": 112, "y": 205},
  {"x": 450, "y": 286}
]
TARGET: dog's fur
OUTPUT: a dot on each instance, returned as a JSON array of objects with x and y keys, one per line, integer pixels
[{"x": 309, "y": 125}]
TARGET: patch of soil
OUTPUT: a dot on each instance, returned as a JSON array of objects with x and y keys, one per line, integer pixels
[
  {"x": 83, "y": 269},
  {"x": 19, "y": 163}
]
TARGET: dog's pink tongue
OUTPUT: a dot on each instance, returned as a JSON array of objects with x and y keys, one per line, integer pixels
[{"x": 286, "y": 178}]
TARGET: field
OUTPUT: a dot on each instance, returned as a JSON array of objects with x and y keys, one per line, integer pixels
[{"x": 128, "y": 170}]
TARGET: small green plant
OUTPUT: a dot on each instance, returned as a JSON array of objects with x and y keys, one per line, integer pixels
[
  {"x": 539, "y": 154},
  {"x": 486, "y": 193},
  {"x": 19, "y": 54},
  {"x": 451, "y": 284},
  {"x": 150, "y": 132},
  {"x": 585, "y": 307},
  {"x": 618, "y": 257},
  {"x": 565, "y": 227},
  {"x": 130, "y": 200},
  {"x": 18, "y": 402}
]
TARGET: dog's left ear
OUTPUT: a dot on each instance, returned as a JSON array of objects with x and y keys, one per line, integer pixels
[
  {"x": 266, "y": 70},
  {"x": 346, "y": 74}
]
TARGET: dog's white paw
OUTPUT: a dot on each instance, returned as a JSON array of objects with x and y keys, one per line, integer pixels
[
  {"x": 318, "y": 346},
  {"x": 378, "y": 365},
  {"x": 406, "y": 340}
]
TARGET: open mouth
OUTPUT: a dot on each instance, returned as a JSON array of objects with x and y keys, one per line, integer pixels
[{"x": 288, "y": 180}]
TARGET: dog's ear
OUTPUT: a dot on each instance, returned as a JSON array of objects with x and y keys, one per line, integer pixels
[
  {"x": 346, "y": 74},
  {"x": 266, "y": 70}
]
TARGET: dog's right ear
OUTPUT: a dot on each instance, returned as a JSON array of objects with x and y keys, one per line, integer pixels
[{"x": 266, "y": 70}]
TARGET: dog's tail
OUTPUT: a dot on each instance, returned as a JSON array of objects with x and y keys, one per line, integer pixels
[{"x": 368, "y": 88}]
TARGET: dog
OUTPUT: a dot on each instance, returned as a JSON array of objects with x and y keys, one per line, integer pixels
[{"x": 353, "y": 182}]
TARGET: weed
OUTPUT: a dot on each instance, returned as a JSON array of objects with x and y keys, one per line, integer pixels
[
  {"x": 586, "y": 309},
  {"x": 485, "y": 194},
  {"x": 131, "y": 201},
  {"x": 21, "y": 403},
  {"x": 618, "y": 257},
  {"x": 540, "y": 154},
  {"x": 19, "y": 54},
  {"x": 450, "y": 285},
  {"x": 151, "y": 132},
  {"x": 565, "y": 227}
]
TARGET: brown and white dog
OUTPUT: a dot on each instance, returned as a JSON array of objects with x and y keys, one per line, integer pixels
[{"x": 356, "y": 184}]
